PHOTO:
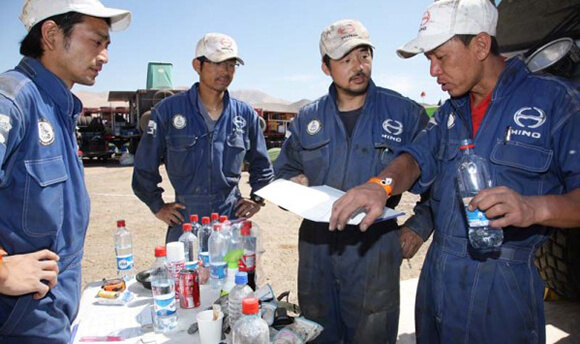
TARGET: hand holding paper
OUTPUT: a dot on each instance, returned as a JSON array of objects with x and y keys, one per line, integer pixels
[{"x": 313, "y": 203}]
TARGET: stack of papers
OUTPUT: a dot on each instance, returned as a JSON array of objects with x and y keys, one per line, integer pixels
[{"x": 313, "y": 203}]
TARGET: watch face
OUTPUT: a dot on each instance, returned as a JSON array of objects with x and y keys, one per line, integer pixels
[{"x": 387, "y": 181}]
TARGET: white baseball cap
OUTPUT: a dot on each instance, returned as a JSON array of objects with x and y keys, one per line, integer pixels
[
  {"x": 35, "y": 11},
  {"x": 447, "y": 18},
  {"x": 343, "y": 36},
  {"x": 217, "y": 48}
]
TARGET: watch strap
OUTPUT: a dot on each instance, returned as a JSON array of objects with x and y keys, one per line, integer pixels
[{"x": 384, "y": 183}]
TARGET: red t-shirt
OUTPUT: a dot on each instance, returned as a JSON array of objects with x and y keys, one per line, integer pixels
[{"x": 478, "y": 110}]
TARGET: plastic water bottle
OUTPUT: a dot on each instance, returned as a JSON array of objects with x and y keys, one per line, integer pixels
[
  {"x": 215, "y": 218},
  {"x": 473, "y": 176},
  {"x": 247, "y": 262},
  {"x": 237, "y": 294},
  {"x": 195, "y": 225},
  {"x": 190, "y": 243},
  {"x": 176, "y": 263},
  {"x": 235, "y": 253},
  {"x": 124, "y": 251},
  {"x": 163, "y": 289},
  {"x": 204, "y": 234},
  {"x": 251, "y": 328},
  {"x": 218, "y": 248}
]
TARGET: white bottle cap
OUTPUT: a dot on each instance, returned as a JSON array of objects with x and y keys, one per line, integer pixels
[{"x": 175, "y": 251}]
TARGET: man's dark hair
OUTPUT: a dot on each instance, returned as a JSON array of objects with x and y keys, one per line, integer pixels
[
  {"x": 31, "y": 45},
  {"x": 326, "y": 58},
  {"x": 466, "y": 39},
  {"x": 202, "y": 60}
]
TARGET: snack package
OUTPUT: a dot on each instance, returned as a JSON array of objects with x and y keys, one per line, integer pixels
[{"x": 105, "y": 297}]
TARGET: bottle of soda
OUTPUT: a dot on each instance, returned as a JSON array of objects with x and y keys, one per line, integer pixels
[
  {"x": 204, "y": 234},
  {"x": 251, "y": 328},
  {"x": 195, "y": 225},
  {"x": 124, "y": 251},
  {"x": 163, "y": 289},
  {"x": 472, "y": 177},
  {"x": 190, "y": 243},
  {"x": 237, "y": 294},
  {"x": 248, "y": 261},
  {"x": 218, "y": 248}
]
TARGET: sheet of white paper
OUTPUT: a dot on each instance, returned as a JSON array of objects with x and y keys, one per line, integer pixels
[{"x": 313, "y": 203}]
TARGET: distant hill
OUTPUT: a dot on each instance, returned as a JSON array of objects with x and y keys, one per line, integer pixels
[
  {"x": 257, "y": 99},
  {"x": 97, "y": 99}
]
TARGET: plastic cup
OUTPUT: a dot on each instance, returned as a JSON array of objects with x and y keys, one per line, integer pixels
[{"x": 210, "y": 331}]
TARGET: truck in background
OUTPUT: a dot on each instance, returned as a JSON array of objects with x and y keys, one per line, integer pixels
[{"x": 547, "y": 35}]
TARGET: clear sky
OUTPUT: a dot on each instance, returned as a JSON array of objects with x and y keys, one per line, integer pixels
[{"x": 278, "y": 40}]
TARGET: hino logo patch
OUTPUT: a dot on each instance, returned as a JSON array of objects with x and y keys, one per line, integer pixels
[
  {"x": 393, "y": 128},
  {"x": 528, "y": 118},
  {"x": 45, "y": 132},
  {"x": 239, "y": 123},
  {"x": 179, "y": 122}
]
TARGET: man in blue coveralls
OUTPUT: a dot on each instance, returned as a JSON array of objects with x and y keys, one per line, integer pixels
[
  {"x": 203, "y": 136},
  {"x": 528, "y": 127},
  {"x": 349, "y": 281},
  {"x": 43, "y": 197}
]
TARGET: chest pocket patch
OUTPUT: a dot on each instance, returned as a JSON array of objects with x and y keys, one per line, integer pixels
[
  {"x": 181, "y": 154},
  {"x": 44, "y": 196},
  {"x": 521, "y": 166},
  {"x": 235, "y": 151}
]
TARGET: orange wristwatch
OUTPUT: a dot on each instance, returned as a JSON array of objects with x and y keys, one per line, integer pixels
[{"x": 384, "y": 183}]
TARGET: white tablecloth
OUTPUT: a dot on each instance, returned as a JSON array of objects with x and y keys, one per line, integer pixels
[{"x": 126, "y": 321}]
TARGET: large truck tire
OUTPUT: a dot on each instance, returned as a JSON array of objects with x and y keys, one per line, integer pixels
[
  {"x": 144, "y": 122},
  {"x": 559, "y": 263},
  {"x": 160, "y": 95}
]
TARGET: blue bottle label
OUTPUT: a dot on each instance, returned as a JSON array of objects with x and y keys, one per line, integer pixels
[
  {"x": 204, "y": 259},
  {"x": 125, "y": 262},
  {"x": 218, "y": 270},
  {"x": 165, "y": 304},
  {"x": 476, "y": 218}
]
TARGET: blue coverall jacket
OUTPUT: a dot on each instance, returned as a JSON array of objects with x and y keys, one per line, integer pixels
[
  {"x": 349, "y": 281},
  {"x": 204, "y": 167},
  {"x": 44, "y": 201},
  {"x": 530, "y": 135}
]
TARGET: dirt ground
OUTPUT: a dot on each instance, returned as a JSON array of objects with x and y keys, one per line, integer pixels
[{"x": 109, "y": 186}]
